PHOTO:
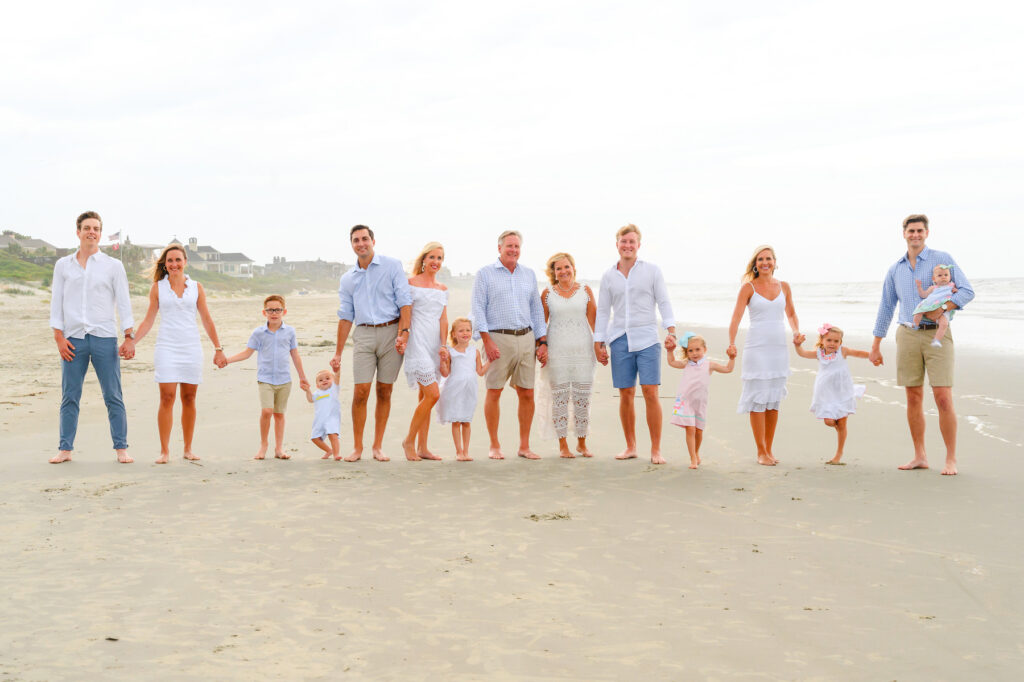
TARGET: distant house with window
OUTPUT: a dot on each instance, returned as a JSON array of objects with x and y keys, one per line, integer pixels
[
  {"x": 312, "y": 269},
  {"x": 210, "y": 259}
]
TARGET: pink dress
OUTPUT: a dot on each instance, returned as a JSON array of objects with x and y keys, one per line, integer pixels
[{"x": 691, "y": 406}]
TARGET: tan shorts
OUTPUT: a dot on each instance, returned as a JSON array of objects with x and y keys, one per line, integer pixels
[
  {"x": 374, "y": 353},
  {"x": 915, "y": 354},
  {"x": 516, "y": 361},
  {"x": 274, "y": 396}
]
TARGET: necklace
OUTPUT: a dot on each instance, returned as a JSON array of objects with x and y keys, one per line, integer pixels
[{"x": 565, "y": 291}]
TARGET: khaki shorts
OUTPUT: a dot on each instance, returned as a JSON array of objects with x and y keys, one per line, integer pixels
[
  {"x": 374, "y": 353},
  {"x": 516, "y": 361},
  {"x": 915, "y": 354},
  {"x": 274, "y": 396}
]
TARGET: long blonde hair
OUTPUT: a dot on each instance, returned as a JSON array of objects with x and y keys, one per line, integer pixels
[
  {"x": 160, "y": 266},
  {"x": 455, "y": 323},
  {"x": 417, "y": 265},
  {"x": 751, "y": 272}
]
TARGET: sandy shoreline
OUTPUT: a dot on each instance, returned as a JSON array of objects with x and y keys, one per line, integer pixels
[{"x": 235, "y": 569}]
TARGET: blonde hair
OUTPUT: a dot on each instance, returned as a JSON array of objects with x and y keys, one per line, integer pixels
[
  {"x": 821, "y": 337},
  {"x": 550, "y": 267},
  {"x": 682, "y": 349},
  {"x": 626, "y": 229},
  {"x": 417, "y": 265},
  {"x": 509, "y": 233},
  {"x": 160, "y": 266},
  {"x": 455, "y": 323},
  {"x": 751, "y": 272},
  {"x": 323, "y": 372}
]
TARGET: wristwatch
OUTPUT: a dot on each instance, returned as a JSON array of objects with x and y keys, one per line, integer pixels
[
  {"x": 406, "y": 330},
  {"x": 129, "y": 335}
]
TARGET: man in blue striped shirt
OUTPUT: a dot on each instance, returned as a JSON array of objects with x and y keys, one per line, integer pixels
[{"x": 914, "y": 350}]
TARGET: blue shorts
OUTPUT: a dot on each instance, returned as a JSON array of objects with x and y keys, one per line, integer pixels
[{"x": 626, "y": 364}]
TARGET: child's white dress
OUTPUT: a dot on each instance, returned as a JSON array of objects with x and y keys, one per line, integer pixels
[
  {"x": 458, "y": 392},
  {"x": 835, "y": 394},
  {"x": 326, "y": 412}
]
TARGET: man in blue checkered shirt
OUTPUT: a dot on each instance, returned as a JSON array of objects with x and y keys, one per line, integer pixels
[{"x": 915, "y": 354}]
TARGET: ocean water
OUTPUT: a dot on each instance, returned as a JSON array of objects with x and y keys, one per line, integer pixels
[{"x": 994, "y": 321}]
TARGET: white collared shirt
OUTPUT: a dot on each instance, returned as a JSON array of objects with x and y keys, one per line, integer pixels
[
  {"x": 629, "y": 305},
  {"x": 83, "y": 300}
]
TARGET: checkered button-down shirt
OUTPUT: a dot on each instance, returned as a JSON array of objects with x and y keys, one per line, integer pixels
[
  {"x": 506, "y": 300},
  {"x": 899, "y": 287}
]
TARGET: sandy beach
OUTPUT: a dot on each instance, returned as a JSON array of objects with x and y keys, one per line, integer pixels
[{"x": 233, "y": 569}]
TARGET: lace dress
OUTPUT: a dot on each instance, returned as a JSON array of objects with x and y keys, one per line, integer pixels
[
  {"x": 765, "y": 355},
  {"x": 422, "y": 358},
  {"x": 569, "y": 374}
]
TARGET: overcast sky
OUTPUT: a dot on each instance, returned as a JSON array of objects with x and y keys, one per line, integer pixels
[{"x": 271, "y": 128}]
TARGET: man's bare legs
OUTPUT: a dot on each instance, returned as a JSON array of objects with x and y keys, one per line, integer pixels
[
  {"x": 627, "y": 415},
  {"x": 165, "y": 419},
  {"x": 188, "y": 417},
  {"x": 492, "y": 413},
  {"x": 947, "y": 425},
  {"x": 757, "y": 427},
  {"x": 526, "y": 409},
  {"x": 279, "y": 452},
  {"x": 653, "y": 407},
  {"x": 381, "y": 411},
  {"x": 840, "y": 426},
  {"x": 360, "y": 396},
  {"x": 266, "y": 414},
  {"x": 420, "y": 424},
  {"x": 915, "y": 419}
]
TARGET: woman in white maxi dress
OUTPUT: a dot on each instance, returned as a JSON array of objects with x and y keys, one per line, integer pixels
[
  {"x": 569, "y": 309},
  {"x": 178, "y": 356},
  {"x": 765, "y": 358},
  {"x": 428, "y": 328}
]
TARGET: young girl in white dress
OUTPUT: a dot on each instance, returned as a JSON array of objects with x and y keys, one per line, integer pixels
[
  {"x": 691, "y": 405},
  {"x": 835, "y": 394},
  {"x": 326, "y": 413},
  {"x": 461, "y": 364}
]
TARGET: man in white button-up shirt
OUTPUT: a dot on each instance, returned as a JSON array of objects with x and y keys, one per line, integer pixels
[
  {"x": 632, "y": 293},
  {"x": 88, "y": 286}
]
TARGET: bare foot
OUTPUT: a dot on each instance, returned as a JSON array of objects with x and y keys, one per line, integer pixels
[
  {"x": 528, "y": 454},
  {"x": 427, "y": 454},
  {"x": 496, "y": 453},
  {"x": 123, "y": 457},
  {"x": 462, "y": 457},
  {"x": 585, "y": 451},
  {"x": 355, "y": 456},
  {"x": 190, "y": 457},
  {"x": 765, "y": 460},
  {"x": 950, "y": 469},
  {"x": 410, "y": 452},
  {"x": 337, "y": 458},
  {"x": 693, "y": 465},
  {"x": 656, "y": 458},
  {"x": 281, "y": 455},
  {"x": 262, "y": 452},
  {"x": 379, "y": 455},
  {"x": 914, "y": 464},
  {"x": 628, "y": 453},
  {"x": 162, "y": 459},
  {"x": 565, "y": 454},
  {"x": 327, "y": 455},
  {"x": 62, "y": 456}
]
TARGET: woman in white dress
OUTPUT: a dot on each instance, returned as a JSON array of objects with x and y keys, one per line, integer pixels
[
  {"x": 766, "y": 352},
  {"x": 428, "y": 329},
  {"x": 569, "y": 310},
  {"x": 178, "y": 357}
]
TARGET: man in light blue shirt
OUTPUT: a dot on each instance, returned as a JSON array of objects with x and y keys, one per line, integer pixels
[
  {"x": 374, "y": 297},
  {"x": 509, "y": 318},
  {"x": 915, "y": 353}
]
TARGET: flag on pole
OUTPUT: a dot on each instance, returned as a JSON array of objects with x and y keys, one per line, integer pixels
[{"x": 116, "y": 237}]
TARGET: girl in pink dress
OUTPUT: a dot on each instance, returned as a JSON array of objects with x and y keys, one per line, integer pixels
[{"x": 690, "y": 409}]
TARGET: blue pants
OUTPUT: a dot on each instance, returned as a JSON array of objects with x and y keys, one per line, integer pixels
[
  {"x": 627, "y": 364},
  {"x": 103, "y": 353}
]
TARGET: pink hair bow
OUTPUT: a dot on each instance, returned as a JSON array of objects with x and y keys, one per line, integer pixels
[{"x": 824, "y": 329}]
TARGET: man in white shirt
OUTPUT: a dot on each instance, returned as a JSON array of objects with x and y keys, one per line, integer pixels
[
  {"x": 87, "y": 288},
  {"x": 631, "y": 294}
]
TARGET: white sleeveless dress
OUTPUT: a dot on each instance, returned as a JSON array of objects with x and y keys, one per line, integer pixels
[
  {"x": 458, "y": 391},
  {"x": 178, "y": 357},
  {"x": 765, "y": 355},
  {"x": 835, "y": 394},
  {"x": 422, "y": 359},
  {"x": 570, "y": 340}
]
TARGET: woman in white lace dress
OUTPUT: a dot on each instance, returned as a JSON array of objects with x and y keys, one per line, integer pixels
[
  {"x": 569, "y": 309},
  {"x": 765, "y": 359},
  {"x": 428, "y": 330}
]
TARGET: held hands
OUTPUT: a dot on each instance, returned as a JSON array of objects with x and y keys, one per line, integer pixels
[
  {"x": 670, "y": 343},
  {"x": 127, "y": 350},
  {"x": 601, "y": 353},
  {"x": 798, "y": 338},
  {"x": 400, "y": 343},
  {"x": 542, "y": 354},
  {"x": 444, "y": 354},
  {"x": 875, "y": 357},
  {"x": 491, "y": 350},
  {"x": 731, "y": 352},
  {"x": 304, "y": 385},
  {"x": 336, "y": 362},
  {"x": 219, "y": 359}
]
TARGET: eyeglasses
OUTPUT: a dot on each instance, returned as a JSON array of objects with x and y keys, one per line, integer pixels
[{"x": 273, "y": 311}]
